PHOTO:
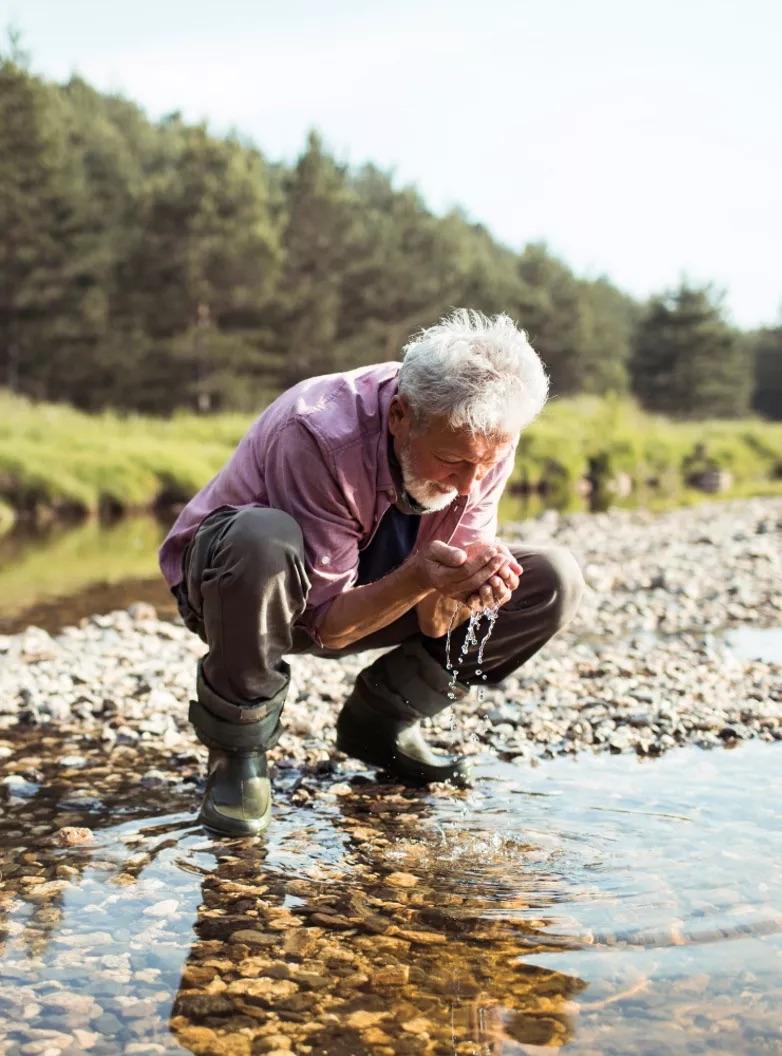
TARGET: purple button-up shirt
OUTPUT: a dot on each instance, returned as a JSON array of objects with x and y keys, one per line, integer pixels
[{"x": 320, "y": 453}]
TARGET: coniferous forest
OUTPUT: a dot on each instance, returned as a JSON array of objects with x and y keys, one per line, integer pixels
[{"x": 154, "y": 266}]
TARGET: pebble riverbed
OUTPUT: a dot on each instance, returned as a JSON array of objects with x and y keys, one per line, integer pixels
[{"x": 645, "y": 665}]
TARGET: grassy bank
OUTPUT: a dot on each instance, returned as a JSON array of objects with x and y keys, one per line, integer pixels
[
  {"x": 55, "y": 460},
  {"x": 615, "y": 445}
]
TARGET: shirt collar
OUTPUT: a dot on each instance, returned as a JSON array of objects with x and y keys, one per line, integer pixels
[{"x": 385, "y": 477}]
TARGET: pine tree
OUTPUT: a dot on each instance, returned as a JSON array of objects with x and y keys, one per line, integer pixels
[
  {"x": 767, "y": 395},
  {"x": 320, "y": 232},
  {"x": 201, "y": 273},
  {"x": 153, "y": 266},
  {"x": 550, "y": 309},
  {"x": 687, "y": 360},
  {"x": 39, "y": 200}
]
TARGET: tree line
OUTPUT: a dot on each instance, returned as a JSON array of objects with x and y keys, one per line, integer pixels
[{"x": 150, "y": 266}]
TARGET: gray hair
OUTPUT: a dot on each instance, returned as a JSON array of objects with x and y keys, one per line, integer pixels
[{"x": 480, "y": 373}]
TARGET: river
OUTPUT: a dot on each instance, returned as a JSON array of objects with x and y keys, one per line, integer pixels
[{"x": 57, "y": 576}]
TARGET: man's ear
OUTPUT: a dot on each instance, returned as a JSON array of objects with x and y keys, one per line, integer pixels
[{"x": 398, "y": 415}]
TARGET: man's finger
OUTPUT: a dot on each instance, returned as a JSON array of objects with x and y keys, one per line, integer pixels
[
  {"x": 451, "y": 556},
  {"x": 514, "y": 565},
  {"x": 480, "y": 559},
  {"x": 476, "y": 577}
]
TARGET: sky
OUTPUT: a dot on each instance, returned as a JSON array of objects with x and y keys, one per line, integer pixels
[{"x": 640, "y": 139}]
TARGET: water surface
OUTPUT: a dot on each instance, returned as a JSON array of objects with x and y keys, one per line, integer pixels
[
  {"x": 603, "y": 905},
  {"x": 56, "y": 577},
  {"x": 757, "y": 643}
]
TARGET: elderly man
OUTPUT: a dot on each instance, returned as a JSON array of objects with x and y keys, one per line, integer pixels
[{"x": 360, "y": 512}]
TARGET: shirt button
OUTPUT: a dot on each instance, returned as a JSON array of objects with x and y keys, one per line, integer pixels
[{"x": 325, "y": 560}]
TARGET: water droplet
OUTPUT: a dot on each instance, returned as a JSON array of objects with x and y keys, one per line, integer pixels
[{"x": 470, "y": 638}]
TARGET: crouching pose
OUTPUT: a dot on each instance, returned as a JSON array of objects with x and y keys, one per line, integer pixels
[{"x": 360, "y": 512}]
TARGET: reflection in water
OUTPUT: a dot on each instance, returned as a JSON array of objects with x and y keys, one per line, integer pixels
[
  {"x": 57, "y": 577},
  {"x": 605, "y": 906}
]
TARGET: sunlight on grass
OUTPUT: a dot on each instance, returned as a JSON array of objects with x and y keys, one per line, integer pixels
[
  {"x": 54, "y": 457},
  {"x": 601, "y": 438}
]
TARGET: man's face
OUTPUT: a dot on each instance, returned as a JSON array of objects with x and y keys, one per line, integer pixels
[{"x": 438, "y": 463}]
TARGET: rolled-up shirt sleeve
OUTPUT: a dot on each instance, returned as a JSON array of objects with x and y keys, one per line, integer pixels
[{"x": 301, "y": 480}]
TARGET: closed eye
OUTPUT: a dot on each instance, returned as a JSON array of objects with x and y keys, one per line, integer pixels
[{"x": 464, "y": 462}]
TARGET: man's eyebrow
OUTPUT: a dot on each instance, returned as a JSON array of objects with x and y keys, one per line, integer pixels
[{"x": 460, "y": 458}]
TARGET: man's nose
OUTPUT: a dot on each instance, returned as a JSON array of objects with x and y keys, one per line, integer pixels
[{"x": 466, "y": 477}]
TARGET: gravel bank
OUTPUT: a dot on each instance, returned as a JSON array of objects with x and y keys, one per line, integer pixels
[{"x": 643, "y": 667}]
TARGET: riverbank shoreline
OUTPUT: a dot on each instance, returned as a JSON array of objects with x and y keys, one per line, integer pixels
[
  {"x": 60, "y": 464},
  {"x": 644, "y": 666}
]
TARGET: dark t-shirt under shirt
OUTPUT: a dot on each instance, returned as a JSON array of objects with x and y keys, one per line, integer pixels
[{"x": 390, "y": 545}]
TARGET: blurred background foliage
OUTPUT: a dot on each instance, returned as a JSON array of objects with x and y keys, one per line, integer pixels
[
  {"x": 58, "y": 460},
  {"x": 153, "y": 267}
]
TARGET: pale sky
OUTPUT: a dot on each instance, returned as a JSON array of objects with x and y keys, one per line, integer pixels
[{"x": 640, "y": 140}]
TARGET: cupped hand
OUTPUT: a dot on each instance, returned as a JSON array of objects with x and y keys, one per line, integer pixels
[
  {"x": 498, "y": 588},
  {"x": 459, "y": 573}
]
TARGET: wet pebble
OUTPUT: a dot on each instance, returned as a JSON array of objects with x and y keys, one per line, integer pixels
[{"x": 72, "y": 836}]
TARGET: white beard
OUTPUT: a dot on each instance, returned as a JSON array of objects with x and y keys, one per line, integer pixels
[{"x": 425, "y": 492}]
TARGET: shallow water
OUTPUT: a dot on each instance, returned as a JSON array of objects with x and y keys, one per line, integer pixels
[
  {"x": 606, "y": 905},
  {"x": 56, "y": 577},
  {"x": 757, "y": 643}
]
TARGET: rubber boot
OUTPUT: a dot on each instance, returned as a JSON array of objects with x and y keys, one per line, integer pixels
[
  {"x": 238, "y": 798},
  {"x": 380, "y": 721}
]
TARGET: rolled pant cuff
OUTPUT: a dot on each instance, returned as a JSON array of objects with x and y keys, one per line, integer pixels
[
  {"x": 221, "y": 724},
  {"x": 232, "y": 736},
  {"x": 239, "y": 714}
]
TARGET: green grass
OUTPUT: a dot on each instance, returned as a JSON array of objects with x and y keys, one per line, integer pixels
[
  {"x": 56, "y": 459},
  {"x": 604, "y": 437}
]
